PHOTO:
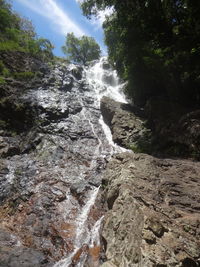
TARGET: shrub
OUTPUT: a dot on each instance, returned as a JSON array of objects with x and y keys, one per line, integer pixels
[
  {"x": 27, "y": 75},
  {"x": 11, "y": 46},
  {"x": 2, "y": 80}
]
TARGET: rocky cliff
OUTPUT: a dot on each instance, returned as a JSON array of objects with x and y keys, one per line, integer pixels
[
  {"x": 153, "y": 216},
  {"x": 61, "y": 173},
  {"x": 53, "y": 150}
]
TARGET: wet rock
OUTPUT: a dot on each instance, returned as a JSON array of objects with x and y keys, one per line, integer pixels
[
  {"x": 67, "y": 84},
  {"x": 108, "y": 109},
  {"x": 9, "y": 146},
  {"x": 77, "y": 72},
  {"x": 30, "y": 141},
  {"x": 106, "y": 65},
  {"x": 79, "y": 187},
  {"x": 47, "y": 181},
  {"x": 55, "y": 115},
  {"x": 24, "y": 257},
  {"x": 127, "y": 128},
  {"x": 13, "y": 254},
  {"x": 49, "y": 188}
]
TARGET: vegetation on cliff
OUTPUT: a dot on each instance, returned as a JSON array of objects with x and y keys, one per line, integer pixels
[
  {"x": 18, "y": 34},
  {"x": 22, "y": 58},
  {"x": 154, "y": 46}
]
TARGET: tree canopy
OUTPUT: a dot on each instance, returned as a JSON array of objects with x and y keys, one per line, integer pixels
[
  {"x": 155, "y": 46},
  {"x": 81, "y": 50},
  {"x": 18, "y": 34}
]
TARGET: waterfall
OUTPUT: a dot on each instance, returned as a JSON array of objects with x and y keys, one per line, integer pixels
[
  {"x": 83, "y": 237},
  {"x": 104, "y": 82},
  {"x": 101, "y": 80},
  {"x": 55, "y": 180}
]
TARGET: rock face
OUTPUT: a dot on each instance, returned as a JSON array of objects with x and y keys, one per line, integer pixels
[
  {"x": 14, "y": 254},
  {"x": 54, "y": 153},
  {"x": 154, "y": 212},
  {"x": 126, "y": 123},
  {"x": 51, "y": 172},
  {"x": 153, "y": 216},
  {"x": 161, "y": 129}
]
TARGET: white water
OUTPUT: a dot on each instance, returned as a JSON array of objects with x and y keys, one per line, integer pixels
[
  {"x": 82, "y": 232},
  {"x": 102, "y": 81},
  {"x": 11, "y": 174},
  {"x": 81, "y": 220},
  {"x": 105, "y": 81}
]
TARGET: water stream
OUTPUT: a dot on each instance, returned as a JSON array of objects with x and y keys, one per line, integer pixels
[
  {"x": 55, "y": 179},
  {"x": 102, "y": 81}
]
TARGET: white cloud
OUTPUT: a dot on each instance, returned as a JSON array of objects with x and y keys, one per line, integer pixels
[{"x": 51, "y": 10}]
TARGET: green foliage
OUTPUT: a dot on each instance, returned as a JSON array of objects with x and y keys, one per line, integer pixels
[
  {"x": 25, "y": 76},
  {"x": 136, "y": 149},
  {"x": 11, "y": 46},
  {"x": 81, "y": 50},
  {"x": 2, "y": 124},
  {"x": 2, "y": 66},
  {"x": 7, "y": 18},
  {"x": 61, "y": 60},
  {"x": 187, "y": 228},
  {"x": 142, "y": 146},
  {"x": 18, "y": 34},
  {"x": 3, "y": 70},
  {"x": 2, "y": 81},
  {"x": 155, "y": 47}
]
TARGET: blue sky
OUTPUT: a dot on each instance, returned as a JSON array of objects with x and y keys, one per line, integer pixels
[{"x": 53, "y": 19}]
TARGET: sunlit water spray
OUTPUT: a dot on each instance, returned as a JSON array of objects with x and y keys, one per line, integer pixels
[
  {"x": 83, "y": 237},
  {"x": 104, "y": 82}
]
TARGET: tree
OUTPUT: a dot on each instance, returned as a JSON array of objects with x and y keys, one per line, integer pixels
[
  {"x": 155, "y": 45},
  {"x": 45, "y": 47},
  {"x": 27, "y": 27},
  {"x": 81, "y": 50},
  {"x": 18, "y": 34}
]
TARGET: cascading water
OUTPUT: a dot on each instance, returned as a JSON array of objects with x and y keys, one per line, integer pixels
[
  {"x": 101, "y": 81},
  {"x": 53, "y": 173},
  {"x": 104, "y": 82}
]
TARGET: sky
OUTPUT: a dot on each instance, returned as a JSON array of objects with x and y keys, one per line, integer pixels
[{"x": 53, "y": 19}]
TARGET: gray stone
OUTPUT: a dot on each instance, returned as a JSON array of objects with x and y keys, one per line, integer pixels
[
  {"x": 146, "y": 223},
  {"x": 127, "y": 126}
]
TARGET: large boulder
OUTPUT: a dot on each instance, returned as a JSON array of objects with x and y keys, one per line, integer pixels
[
  {"x": 126, "y": 122},
  {"x": 162, "y": 129}
]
